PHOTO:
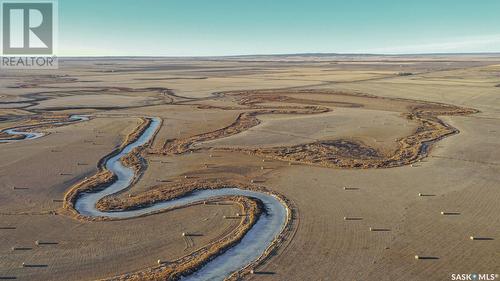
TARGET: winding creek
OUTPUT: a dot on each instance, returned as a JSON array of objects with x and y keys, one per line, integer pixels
[
  {"x": 255, "y": 242},
  {"x": 28, "y": 135}
]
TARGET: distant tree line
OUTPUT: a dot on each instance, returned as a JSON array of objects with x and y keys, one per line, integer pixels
[{"x": 405, "y": 73}]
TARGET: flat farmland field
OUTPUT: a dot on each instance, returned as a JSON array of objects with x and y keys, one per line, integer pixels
[{"x": 296, "y": 167}]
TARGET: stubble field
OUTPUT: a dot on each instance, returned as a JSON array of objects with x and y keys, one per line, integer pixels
[{"x": 337, "y": 137}]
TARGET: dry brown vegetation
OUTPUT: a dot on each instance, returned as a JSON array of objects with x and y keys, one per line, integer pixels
[
  {"x": 354, "y": 154},
  {"x": 173, "y": 270},
  {"x": 133, "y": 159},
  {"x": 330, "y": 153},
  {"x": 98, "y": 181},
  {"x": 104, "y": 177},
  {"x": 189, "y": 263},
  {"x": 136, "y": 134},
  {"x": 5, "y": 136},
  {"x": 251, "y": 208},
  {"x": 244, "y": 121},
  {"x": 239, "y": 134},
  {"x": 37, "y": 123},
  {"x": 343, "y": 153}
]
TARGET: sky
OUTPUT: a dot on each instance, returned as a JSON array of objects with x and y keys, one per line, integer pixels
[{"x": 244, "y": 27}]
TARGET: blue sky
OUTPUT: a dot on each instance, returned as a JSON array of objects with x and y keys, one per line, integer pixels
[{"x": 232, "y": 27}]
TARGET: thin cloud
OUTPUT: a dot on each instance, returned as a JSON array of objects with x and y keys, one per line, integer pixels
[{"x": 489, "y": 43}]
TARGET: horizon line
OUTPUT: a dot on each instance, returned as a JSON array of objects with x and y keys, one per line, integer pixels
[{"x": 284, "y": 54}]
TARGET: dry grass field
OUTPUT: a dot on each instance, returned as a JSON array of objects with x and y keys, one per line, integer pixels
[{"x": 337, "y": 136}]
